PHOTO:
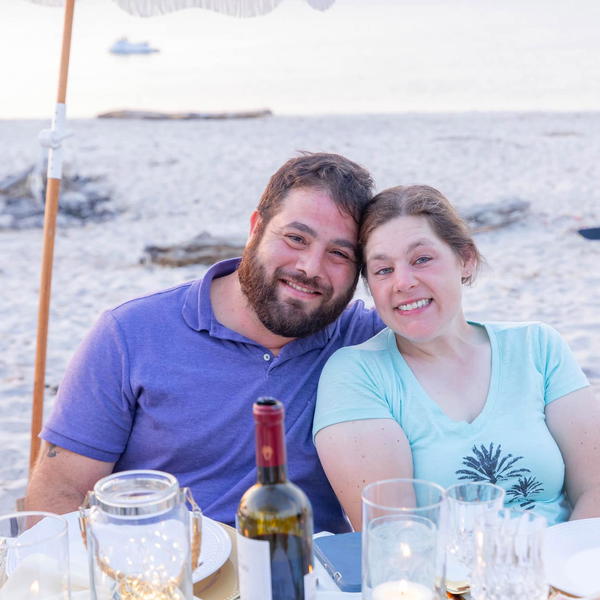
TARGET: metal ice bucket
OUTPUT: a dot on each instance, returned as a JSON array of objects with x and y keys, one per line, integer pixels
[{"x": 142, "y": 540}]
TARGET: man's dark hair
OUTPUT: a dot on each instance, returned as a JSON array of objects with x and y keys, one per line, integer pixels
[{"x": 349, "y": 185}]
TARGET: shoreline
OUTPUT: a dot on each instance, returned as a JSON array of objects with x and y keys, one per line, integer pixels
[{"x": 557, "y": 112}]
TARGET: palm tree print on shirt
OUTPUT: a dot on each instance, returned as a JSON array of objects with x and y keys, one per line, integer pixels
[
  {"x": 489, "y": 464},
  {"x": 523, "y": 490}
]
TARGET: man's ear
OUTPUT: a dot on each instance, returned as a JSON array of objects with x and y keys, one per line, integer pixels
[{"x": 254, "y": 221}]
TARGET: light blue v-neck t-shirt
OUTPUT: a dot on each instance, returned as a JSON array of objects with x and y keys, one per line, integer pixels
[{"x": 508, "y": 443}]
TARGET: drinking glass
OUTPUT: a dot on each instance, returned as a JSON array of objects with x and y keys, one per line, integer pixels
[
  {"x": 402, "y": 552},
  {"x": 466, "y": 502},
  {"x": 34, "y": 557},
  {"x": 508, "y": 556}
]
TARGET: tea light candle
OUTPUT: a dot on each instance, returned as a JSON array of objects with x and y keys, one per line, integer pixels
[{"x": 401, "y": 590}]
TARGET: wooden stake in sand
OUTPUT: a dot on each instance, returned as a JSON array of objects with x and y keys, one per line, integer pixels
[{"x": 52, "y": 139}]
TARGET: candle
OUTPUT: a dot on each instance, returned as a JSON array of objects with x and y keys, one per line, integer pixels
[{"x": 401, "y": 590}]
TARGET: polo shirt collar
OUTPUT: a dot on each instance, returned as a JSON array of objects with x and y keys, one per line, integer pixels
[{"x": 197, "y": 309}]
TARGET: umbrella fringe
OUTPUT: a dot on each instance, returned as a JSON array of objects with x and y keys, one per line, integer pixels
[{"x": 235, "y": 8}]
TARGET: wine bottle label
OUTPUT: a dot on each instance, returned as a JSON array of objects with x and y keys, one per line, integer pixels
[
  {"x": 310, "y": 586},
  {"x": 254, "y": 568}
]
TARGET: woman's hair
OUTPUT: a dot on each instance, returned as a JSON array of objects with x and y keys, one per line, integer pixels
[{"x": 422, "y": 201}]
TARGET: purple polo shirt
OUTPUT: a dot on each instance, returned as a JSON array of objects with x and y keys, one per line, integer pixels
[{"x": 159, "y": 383}]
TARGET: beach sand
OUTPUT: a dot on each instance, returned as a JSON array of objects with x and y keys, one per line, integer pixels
[{"x": 172, "y": 180}]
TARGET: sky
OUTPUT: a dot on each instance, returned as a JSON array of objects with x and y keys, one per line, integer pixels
[{"x": 360, "y": 56}]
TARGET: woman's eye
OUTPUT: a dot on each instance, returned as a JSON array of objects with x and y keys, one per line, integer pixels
[
  {"x": 422, "y": 260},
  {"x": 383, "y": 271}
]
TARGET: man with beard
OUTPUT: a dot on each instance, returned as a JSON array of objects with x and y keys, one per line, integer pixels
[{"x": 167, "y": 381}]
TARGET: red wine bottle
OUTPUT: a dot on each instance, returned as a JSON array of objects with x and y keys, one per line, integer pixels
[{"x": 274, "y": 520}]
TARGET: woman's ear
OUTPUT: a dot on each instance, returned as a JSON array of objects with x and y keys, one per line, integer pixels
[{"x": 469, "y": 266}]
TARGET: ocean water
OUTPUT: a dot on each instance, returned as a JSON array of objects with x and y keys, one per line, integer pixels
[{"x": 373, "y": 56}]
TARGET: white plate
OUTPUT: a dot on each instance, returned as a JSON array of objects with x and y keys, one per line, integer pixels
[
  {"x": 215, "y": 550},
  {"x": 572, "y": 556}
]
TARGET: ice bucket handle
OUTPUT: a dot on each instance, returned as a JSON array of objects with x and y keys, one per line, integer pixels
[
  {"x": 195, "y": 526},
  {"x": 83, "y": 516}
]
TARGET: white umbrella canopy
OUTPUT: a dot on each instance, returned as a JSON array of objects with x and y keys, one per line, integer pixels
[{"x": 52, "y": 139}]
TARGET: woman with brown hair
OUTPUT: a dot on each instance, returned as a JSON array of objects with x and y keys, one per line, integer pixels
[{"x": 436, "y": 397}]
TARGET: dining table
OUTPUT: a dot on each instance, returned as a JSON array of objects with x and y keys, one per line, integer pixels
[{"x": 223, "y": 584}]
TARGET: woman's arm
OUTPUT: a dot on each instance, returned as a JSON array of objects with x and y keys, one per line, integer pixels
[
  {"x": 574, "y": 422},
  {"x": 355, "y": 453}
]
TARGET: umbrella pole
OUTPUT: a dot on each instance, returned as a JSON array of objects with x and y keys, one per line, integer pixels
[{"x": 52, "y": 139}]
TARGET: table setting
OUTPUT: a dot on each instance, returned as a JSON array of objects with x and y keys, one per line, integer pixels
[{"x": 419, "y": 542}]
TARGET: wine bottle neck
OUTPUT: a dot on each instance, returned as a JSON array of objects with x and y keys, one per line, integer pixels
[
  {"x": 271, "y": 460},
  {"x": 271, "y": 475}
]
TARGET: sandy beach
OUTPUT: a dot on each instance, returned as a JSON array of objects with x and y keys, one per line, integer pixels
[{"x": 171, "y": 180}]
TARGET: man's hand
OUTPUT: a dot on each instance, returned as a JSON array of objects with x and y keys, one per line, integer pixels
[{"x": 61, "y": 479}]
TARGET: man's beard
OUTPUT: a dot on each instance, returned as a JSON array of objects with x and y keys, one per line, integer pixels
[{"x": 287, "y": 318}]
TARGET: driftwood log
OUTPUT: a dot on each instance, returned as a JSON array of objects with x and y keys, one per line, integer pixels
[
  {"x": 184, "y": 116},
  {"x": 486, "y": 217},
  {"x": 202, "y": 249}
]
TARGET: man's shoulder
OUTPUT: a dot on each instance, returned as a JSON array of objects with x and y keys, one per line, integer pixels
[{"x": 148, "y": 304}]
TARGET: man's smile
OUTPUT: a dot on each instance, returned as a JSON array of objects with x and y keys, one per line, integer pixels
[{"x": 300, "y": 288}]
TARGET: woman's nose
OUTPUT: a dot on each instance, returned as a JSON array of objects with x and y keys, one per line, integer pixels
[{"x": 404, "y": 279}]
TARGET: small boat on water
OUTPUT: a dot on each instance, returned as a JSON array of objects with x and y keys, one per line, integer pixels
[{"x": 124, "y": 46}]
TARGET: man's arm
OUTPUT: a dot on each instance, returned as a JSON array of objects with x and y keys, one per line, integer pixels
[{"x": 61, "y": 479}]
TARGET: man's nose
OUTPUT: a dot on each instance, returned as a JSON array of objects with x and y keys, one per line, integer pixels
[{"x": 310, "y": 262}]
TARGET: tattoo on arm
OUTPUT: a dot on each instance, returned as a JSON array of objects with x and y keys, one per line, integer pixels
[{"x": 52, "y": 451}]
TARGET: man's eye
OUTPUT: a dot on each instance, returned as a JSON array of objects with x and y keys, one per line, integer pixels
[
  {"x": 295, "y": 239},
  {"x": 341, "y": 254}
]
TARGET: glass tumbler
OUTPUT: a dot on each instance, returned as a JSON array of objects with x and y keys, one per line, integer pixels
[
  {"x": 402, "y": 551},
  {"x": 508, "y": 556},
  {"x": 466, "y": 502},
  {"x": 34, "y": 557}
]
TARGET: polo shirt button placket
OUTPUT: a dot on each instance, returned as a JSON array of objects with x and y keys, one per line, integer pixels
[{"x": 268, "y": 363}]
